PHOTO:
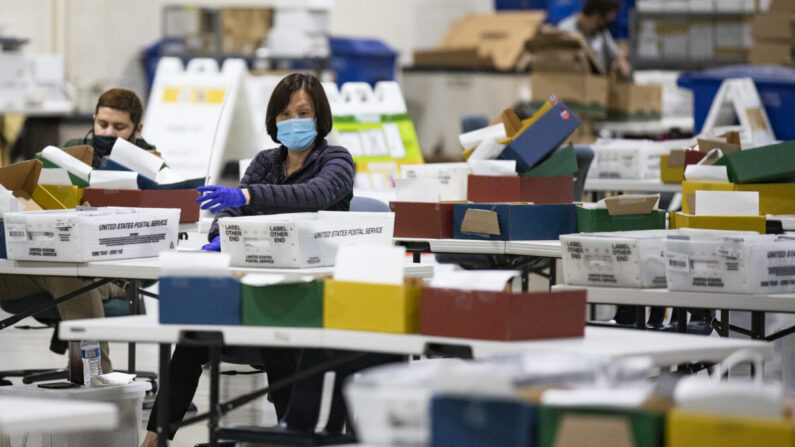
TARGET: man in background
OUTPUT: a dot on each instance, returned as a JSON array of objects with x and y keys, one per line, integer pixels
[{"x": 593, "y": 22}]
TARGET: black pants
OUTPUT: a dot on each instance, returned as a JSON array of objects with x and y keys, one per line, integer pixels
[
  {"x": 302, "y": 399},
  {"x": 185, "y": 370}
]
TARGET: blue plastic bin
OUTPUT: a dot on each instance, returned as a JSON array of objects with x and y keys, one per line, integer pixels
[
  {"x": 2, "y": 240},
  {"x": 362, "y": 60},
  {"x": 776, "y": 86}
]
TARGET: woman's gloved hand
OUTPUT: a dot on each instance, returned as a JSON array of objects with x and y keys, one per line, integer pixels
[
  {"x": 214, "y": 245},
  {"x": 220, "y": 197}
]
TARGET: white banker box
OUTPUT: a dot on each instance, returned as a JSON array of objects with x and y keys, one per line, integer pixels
[
  {"x": 93, "y": 234},
  {"x": 300, "y": 240}
]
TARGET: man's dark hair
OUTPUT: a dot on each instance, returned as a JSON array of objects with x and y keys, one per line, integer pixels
[
  {"x": 600, "y": 7},
  {"x": 124, "y": 100},
  {"x": 281, "y": 97}
]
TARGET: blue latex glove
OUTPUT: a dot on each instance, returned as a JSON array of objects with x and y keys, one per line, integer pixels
[
  {"x": 214, "y": 245},
  {"x": 220, "y": 197}
]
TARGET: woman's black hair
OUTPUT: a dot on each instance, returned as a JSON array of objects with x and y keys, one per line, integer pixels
[
  {"x": 600, "y": 7},
  {"x": 281, "y": 97}
]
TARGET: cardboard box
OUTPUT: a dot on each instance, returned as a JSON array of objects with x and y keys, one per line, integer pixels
[
  {"x": 184, "y": 199},
  {"x": 633, "y": 102},
  {"x": 243, "y": 30},
  {"x": 506, "y": 188},
  {"x": 774, "y": 198},
  {"x": 585, "y": 94},
  {"x": 600, "y": 220},
  {"x": 295, "y": 304},
  {"x": 495, "y": 40},
  {"x": 545, "y": 135},
  {"x": 781, "y": 6},
  {"x": 762, "y": 164},
  {"x": 199, "y": 300},
  {"x": 300, "y": 240},
  {"x": 512, "y": 222},
  {"x": 772, "y": 27},
  {"x": 21, "y": 179},
  {"x": 670, "y": 172},
  {"x": 84, "y": 153},
  {"x": 562, "y": 162},
  {"x": 556, "y": 50},
  {"x": 730, "y": 223},
  {"x": 748, "y": 264},
  {"x": 770, "y": 53},
  {"x": 358, "y": 306},
  {"x": 423, "y": 219},
  {"x": 620, "y": 259},
  {"x": 90, "y": 235},
  {"x": 504, "y": 316},
  {"x": 691, "y": 429},
  {"x": 58, "y": 197},
  {"x": 482, "y": 422},
  {"x": 618, "y": 427}
]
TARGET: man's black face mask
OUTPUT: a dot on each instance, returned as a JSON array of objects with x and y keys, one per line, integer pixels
[{"x": 103, "y": 144}]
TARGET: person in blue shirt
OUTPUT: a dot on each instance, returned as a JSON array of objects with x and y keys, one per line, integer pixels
[{"x": 593, "y": 22}]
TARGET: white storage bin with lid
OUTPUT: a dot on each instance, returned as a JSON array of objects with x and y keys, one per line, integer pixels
[
  {"x": 620, "y": 259},
  {"x": 128, "y": 399},
  {"x": 300, "y": 240},
  {"x": 94, "y": 234},
  {"x": 739, "y": 264}
]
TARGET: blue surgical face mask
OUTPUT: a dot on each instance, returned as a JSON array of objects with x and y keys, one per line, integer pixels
[{"x": 297, "y": 133}]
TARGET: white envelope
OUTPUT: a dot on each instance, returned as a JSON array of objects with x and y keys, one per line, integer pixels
[
  {"x": 66, "y": 161},
  {"x": 54, "y": 176},
  {"x": 472, "y": 139},
  {"x": 489, "y": 280},
  {"x": 493, "y": 167},
  {"x": 114, "y": 179},
  {"x": 701, "y": 173},
  {"x": 135, "y": 158},
  {"x": 488, "y": 149},
  {"x": 727, "y": 203},
  {"x": 378, "y": 264},
  {"x": 417, "y": 189}
]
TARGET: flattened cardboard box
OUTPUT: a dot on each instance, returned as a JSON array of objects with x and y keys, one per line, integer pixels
[
  {"x": 423, "y": 219},
  {"x": 502, "y": 315},
  {"x": 505, "y": 188},
  {"x": 184, "y": 199}
]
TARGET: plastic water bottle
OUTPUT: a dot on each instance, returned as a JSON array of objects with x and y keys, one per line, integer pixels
[{"x": 92, "y": 360}]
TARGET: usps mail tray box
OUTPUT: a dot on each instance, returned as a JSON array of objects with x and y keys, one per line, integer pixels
[
  {"x": 697, "y": 429},
  {"x": 199, "y": 300},
  {"x": 505, "y": 316},
  {"x": 300, "y": 240},
  {"x": 423, "y": 219},
  {"x": 512, "y": 188},
  {"x": 92, "y": 234},
  {"x": 358, "y": 306},
  {"x": 740, "y": 264},
  {"x": 184, "y": 199},
  {"x": 482, "y": 422},
  {"x": 512, "y": 222}
]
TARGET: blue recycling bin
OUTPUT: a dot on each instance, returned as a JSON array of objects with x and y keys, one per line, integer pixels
[
  {"x": 362, "y": 60},
  {"x": 776, "y": 86}
]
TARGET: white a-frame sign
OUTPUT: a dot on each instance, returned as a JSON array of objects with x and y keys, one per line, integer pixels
[{"x": 738, "y": 98}]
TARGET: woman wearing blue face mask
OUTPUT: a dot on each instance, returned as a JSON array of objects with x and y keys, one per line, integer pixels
[{"x": 304, "y": 174}]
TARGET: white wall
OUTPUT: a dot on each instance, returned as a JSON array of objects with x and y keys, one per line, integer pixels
[{"x": 102, "y": 40}]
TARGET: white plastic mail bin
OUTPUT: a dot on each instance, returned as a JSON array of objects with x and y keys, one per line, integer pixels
[
  {"x": 128, "y": 399},
  {"x": 96, "y": 234},
  {"x": 300, "y": 240},
  {"x": 452, "y": 178},
  {"x": 746, "y": 264},
  {"x": 620, "y": 259}
]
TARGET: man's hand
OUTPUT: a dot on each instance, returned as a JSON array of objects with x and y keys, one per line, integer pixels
[{"x": 621, "y": 66}]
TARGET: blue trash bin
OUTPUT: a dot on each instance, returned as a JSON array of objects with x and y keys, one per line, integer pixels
[
  {"x": 776, "y": 86},
  {"x": 362, "y": 60}
]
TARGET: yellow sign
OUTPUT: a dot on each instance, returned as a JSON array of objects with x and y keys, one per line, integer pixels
[{"x": 193, "y": 95}]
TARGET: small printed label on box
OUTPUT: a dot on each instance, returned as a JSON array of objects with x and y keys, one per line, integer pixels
[
  {"x": 678, "y": 262},
  {"x": 16, "y": 232}
]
